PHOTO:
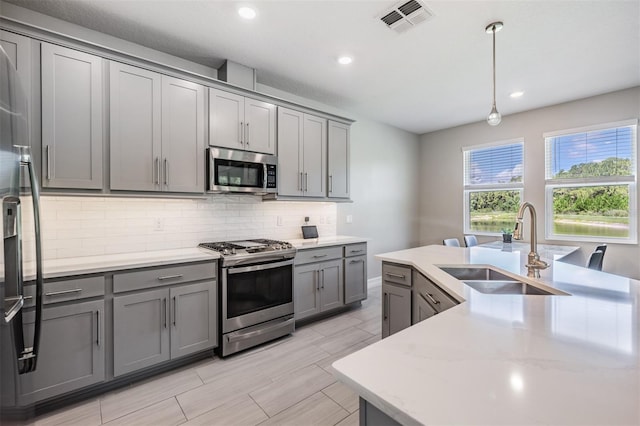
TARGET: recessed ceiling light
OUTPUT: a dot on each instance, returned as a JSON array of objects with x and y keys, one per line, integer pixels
[
  {"x": 516, "y": 94},
  {"x": 247, "y": 12},
  {"x": 345, "y": 60}
]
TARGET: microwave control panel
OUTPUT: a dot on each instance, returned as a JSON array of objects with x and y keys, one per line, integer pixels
[{"x": 271, "y": 175}]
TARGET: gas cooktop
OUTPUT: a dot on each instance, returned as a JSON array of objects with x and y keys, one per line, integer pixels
[{"x": 251, "y": 251}]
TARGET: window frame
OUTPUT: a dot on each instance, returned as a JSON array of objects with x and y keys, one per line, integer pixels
[
  {"x": 630, "y": 181},
  {"x": 469, "y": 188}
]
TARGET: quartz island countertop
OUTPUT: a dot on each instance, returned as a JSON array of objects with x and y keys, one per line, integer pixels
[{"x": 509, "y": 359}]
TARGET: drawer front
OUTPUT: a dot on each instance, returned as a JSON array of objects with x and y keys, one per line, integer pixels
[
  {"x": 318, "y": 255},
  {"x": 437, "y": 298},
  {"x": 155, "y": 277},
  {"x": 65, "y": 290},
  {"x": 355, "y": 249},
  {"x": 396, "y": 274}
]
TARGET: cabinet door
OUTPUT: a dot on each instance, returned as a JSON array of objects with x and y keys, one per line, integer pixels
[
  {"x": 290, "y": 175},
  {"x": 260, "y": 126},
  {"x": 18, "y": 48},
  {"x": 140, "y": 330},
  {"x": 71, "y": 352},
  {"x": 331, "y": 285},
  {"x": 421, "y": 309},
  {"x": 338, "y": 160},
  {"x": 72, "y": 109},
  {"x": 193, "y": 318},
  {"x": 307, "y": 290},
  {"x": 355, "y": 279},
  {"x": 314, "y": 153},
  {"x": 183, "y": 135},
  {"x": 226, "y": 119},
  {"x": 135, "y": 106},
  {"x": 396, "y": 308}
]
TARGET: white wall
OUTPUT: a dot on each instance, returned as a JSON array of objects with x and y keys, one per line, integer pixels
[
  {"x": 385, "y": 168},
  {"x": 441, "y": 196},
  {"x": 85, "y": 226}
]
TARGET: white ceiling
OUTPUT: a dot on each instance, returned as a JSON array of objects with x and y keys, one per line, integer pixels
[{"x": 434, "y": 76}]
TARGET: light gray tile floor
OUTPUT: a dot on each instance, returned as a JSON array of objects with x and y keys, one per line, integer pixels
[{"x": 287, "y": 382}]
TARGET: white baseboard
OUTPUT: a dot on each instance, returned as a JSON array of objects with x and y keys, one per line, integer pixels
[{"x": 374, "y": 282}]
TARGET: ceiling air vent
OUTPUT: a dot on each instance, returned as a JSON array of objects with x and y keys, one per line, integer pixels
[{"x": 405, "y": 15}]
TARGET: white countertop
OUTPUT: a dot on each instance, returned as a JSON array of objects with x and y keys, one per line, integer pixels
[
  {"x": 506, "y": 359},
  {"x": 56, "y": 268},
  {"x": 302, "y": 244}
]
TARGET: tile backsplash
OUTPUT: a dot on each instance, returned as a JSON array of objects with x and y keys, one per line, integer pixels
[{"x": 86, "y": 226}]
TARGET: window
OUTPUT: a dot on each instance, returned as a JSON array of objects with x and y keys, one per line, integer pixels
[
  {"x": 591, "y": 183},
  {"x": 493, "y": 184}
]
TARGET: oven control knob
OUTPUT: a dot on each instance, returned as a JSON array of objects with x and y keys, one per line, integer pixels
[
  {"x": 225, "y": 251},
  {"x": 233, "y": 251}
]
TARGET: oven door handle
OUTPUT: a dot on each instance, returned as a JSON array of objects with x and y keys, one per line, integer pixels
[
  {"x": 262, "y": 267},
  {"x": 250, "y": 334}
]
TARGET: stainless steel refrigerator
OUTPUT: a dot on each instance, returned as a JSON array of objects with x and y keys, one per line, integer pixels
[{"x": 19, "y": 345}]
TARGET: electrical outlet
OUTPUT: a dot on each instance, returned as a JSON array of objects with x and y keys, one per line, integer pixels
[
  {"x": 158, "y": 225},
  {"x": 349, "y": 218},
  {"x": 279, "y": 220}
]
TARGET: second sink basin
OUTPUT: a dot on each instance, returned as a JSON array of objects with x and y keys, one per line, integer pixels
[{"x": 489, "y": 281}]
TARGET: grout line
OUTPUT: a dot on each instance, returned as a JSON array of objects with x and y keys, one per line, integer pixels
[
  {"x": 260, "y": 407},
  {"x": 186, "y": 419}
]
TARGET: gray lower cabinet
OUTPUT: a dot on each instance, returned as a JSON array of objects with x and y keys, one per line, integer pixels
[
  {"x": 154, "y": 326},
  {"x": 422, "y": 309},
  {"x": 140, "y": 330},
  {"x": 396, "y": 308},
  {"x": 193, "y": 318},
  {"x": 428, "y": 298},
  {"x": 72, "y": 117},
  {"x": 355, "y": 272},
  {"x": 318, "y": 288},
  {"x": 72, "y": 349}
]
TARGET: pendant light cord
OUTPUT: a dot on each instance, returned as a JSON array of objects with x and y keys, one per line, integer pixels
[{"x": 493, "y": 31}]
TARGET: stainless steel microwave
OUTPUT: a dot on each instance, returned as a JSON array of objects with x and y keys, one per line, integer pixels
[{"x": 240, "y": 171}]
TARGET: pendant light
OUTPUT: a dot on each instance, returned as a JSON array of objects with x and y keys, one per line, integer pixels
[{"x": 494, "y": 116}]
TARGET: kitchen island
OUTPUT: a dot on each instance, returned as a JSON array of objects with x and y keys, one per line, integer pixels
[{"x": 509, "y": 359}]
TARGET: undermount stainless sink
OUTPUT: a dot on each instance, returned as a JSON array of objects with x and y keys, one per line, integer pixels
[{"x": 488, "y": 281}]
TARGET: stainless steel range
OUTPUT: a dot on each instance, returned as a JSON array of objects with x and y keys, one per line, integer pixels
[{"x": 256, "y": 292}]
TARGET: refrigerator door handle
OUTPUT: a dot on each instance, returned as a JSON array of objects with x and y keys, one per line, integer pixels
[{"x": 30, "y": 355}]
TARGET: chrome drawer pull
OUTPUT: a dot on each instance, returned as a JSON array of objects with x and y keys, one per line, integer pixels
[
  {"x": 433, "y": 300},
  {"x": 402, "y": 277},
  {"x": 170, "y": 277},
  {"x": 317, "y": 256},
  {"x": 58, "y": 293},
  {"x": 356, "y": 261},
  {"x": 356, "y": 251}
]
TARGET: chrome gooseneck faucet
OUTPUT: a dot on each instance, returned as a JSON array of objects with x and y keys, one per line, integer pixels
[{"x": 534, "y": 264}]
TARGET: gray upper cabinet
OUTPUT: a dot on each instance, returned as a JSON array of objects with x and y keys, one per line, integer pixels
[
  {"x": 72, "y": 118},
  {"x": 193, "y": 318},
  {"x": 140, "y": 330},
  {"x": 338, "y": 160},
  {"x": 183, "y": 135},
  {"x": 158, "y": 131},
  {"x": 302, "y": 153},
  {"x": 18, "y": 48},
  {"x": 238, "y": 122},
  {"x": 72, "y": 350},
  {"x": 135, "y": 114}
]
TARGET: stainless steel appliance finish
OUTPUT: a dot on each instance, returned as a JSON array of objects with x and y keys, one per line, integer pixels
[
  {"x": 241, "y": 171},
  {"x": 16, "y": 358},
  {"x": 256, "y": 292}
]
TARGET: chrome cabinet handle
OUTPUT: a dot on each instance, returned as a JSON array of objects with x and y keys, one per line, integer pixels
[
  {"x": 317, "y": 280},
  {"x": 318, "y": 256},
  {"x": 58, "y": 293},
  {"x": 330, "y": 183},
  {"x": 157, "y": 171},
  {"x": 357, "y": 251},
  {"x": 384, "y": 306},
  {"x": 402, "y": 277},
  {"x": 356, "y": 261},
  {"x": 306, "y": 181},
  {"x": 241, "y": 132},
  {"x": 322, "y": 281},
  {"x": 166, "y": 172},
  {"x": 98, "y": 328},
  {"x": 48, "y": 163},
  {"x": 170, "y": 277},
  {"x": 246, "y": 136},
  {"x": 164, "y": 310},
  {"x": 175, "y": 311},
  {"x": 300, "y": 187},
  {"x": 432, "y": 299}
]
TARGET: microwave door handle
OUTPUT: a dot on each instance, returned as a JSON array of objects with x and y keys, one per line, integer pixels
[
  {"x": 264, "y": 177},
  {"x": 30, "y": 355}
]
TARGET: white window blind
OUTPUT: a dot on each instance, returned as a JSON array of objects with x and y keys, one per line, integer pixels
[{"x": 494, "y": 165}]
